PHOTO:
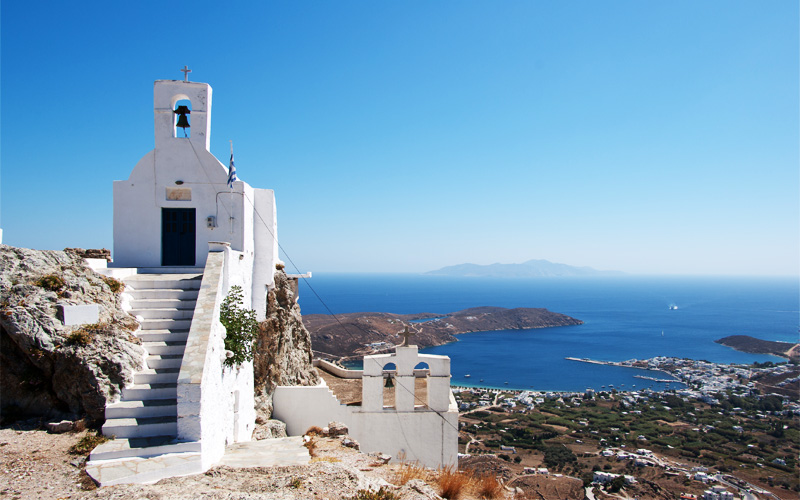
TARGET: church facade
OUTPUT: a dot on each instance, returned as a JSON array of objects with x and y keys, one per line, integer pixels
[{"x": 177, "y": 199}]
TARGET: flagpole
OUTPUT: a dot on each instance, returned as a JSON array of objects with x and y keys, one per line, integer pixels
[{"x": 231, "y": 178}]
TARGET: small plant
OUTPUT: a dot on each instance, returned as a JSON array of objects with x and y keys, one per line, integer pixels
[
  {"x": 51, "y": 282},
  {"x": 296, "y": 482},
  {"x": 407, "y": 472},
  {"x": 80, "y": 337},
  {"x": 452, "y": 483},
  {"x": 114, "y": 284},
  {"x": 487, "y": 486},
  {"x": 241, "y": 327},
  {"x": 380, "y": 494},
  {"x": 87, "y": 443}
]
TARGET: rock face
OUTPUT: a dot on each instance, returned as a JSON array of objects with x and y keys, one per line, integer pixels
[
  {"x": 49, "y": 369},
  {"x": 283, "y": 353}
]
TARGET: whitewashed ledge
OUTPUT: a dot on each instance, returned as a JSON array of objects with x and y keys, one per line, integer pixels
[{"x": 200, "y": 407}]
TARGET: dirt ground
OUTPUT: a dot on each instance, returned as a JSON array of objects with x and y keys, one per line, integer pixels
[
  {"x": 35, "y": 464},
  {"x": 38, "y": 465}
]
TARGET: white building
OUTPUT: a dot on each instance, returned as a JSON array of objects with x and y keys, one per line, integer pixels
[
  {"x": 414, "y": 430},
  {"x": 177, "y": 200}
]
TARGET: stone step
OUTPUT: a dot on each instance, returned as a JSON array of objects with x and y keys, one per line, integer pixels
[
  {"x": 190, "y": 270},
  {"x": 146, "y": 408},
  {"x": 144, "y": 470},
  {"x": 141, "y": 427},
  {"x": 179, "y": 281},
  {"x": 146, "y": 392},
  {"x": 163, "y": 335},
  {"x": 166, "y": 361},
  {"x": 165, "y": 303},
  {"x": 141, "y": 448},
  {"x": 156, "y": 376},
  {"x": 164, "y": 348},
  {"x": 154, "y": 313},
  {"x": 165, "y": 324},
  {"x": 163, "y": 293}
]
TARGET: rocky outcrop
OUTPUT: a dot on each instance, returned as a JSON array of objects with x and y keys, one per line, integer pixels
[
  {"x": 48, "y": 369},
  {"x": 283, "y": 352}
]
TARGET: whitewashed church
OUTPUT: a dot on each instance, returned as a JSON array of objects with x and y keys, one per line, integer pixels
[{"x": 186, "y": 231}]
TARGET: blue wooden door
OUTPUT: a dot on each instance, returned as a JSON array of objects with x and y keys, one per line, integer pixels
[{"x": 177, "y": 236}]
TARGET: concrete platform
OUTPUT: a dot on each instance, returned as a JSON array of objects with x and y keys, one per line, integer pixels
[{"x": 267, "y": 453}]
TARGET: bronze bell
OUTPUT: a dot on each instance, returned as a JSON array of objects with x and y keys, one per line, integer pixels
[
  {"x": 389, "y": 381},
  {"x": 183, "y": 121}
]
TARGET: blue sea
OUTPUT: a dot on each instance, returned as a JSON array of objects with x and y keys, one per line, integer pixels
[{"x": 624, "y": 318}]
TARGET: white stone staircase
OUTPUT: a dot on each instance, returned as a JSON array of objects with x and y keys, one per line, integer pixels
[{"x": 144, "y": 421}]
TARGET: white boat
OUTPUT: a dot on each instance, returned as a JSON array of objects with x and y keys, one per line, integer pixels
[{"x": 467, "y": 375}]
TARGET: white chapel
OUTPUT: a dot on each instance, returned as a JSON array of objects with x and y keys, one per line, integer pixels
[
  {"x": 185, "y": 232},
  {"x": 177, "y": 198}
]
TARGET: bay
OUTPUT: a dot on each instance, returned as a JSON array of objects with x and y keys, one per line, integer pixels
[{"x": 624, "y": 317}]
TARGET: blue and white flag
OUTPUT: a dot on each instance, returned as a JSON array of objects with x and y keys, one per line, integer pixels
[{"x": 231, "y": 173}]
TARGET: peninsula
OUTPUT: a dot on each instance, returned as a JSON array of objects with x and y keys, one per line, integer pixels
[
  {"x": 746, "y": 343},
  {"x": 357, "y": 334}
]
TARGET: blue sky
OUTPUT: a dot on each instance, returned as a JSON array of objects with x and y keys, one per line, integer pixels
[{"x": 647, "y": 137}]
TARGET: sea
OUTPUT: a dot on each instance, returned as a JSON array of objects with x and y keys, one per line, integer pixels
[{"x": 625, "y": 317}]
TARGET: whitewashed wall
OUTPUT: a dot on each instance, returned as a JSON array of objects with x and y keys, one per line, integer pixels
[
  {"x": 215, "y": 403},
  {"x": 428, "y": 436}
]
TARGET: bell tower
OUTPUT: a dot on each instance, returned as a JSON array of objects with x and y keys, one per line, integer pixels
[{"x": 166, "y": 95}]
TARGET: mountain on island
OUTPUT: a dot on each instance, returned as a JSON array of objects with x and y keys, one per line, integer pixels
[{"x": 531, "y": 269}]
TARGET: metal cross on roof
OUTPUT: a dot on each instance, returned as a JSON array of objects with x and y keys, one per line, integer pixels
[
  {"x": 406, "y": 334},
  {"x": 186, "y": 72}
]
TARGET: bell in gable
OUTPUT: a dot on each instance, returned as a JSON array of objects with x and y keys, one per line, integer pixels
[{"x": 183, "y": 121}]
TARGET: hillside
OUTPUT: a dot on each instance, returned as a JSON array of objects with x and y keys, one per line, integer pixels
[
  {"x": 530, "y": 269},
  {"x": 353, "y": 333}
]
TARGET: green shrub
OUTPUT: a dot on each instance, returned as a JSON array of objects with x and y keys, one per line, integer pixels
[
  {"x": 51, "y": 282},
  {"x": 241, "y": 327}
]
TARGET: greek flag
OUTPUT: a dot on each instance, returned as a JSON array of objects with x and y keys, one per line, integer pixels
[{"x": 231, "y": 173}]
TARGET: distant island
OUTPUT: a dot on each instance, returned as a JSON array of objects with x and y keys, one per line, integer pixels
[
  {"x": 356, "y": 334},
  {"x": 530, "y": 269},
  {"x": 745, "y": 343}
]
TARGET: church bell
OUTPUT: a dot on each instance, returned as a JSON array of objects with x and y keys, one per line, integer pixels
[
  {"x": 389, "y": 381},
  {"x": 183, "y": 121}
]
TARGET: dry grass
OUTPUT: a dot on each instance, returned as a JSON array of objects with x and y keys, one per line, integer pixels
[
  {"x": 80, "y": 337},
  {"x": 381, "y": 494},
  {"x": 325, "y": 459},
  {"x": 406, "y": 472},
  {"x": 114, "y": 284},
  {"x": 314, "y": 431},
  {"x": 453, "y": 483},
  {"x": 311, "y": 444},
  {"x": 487, "y": 486},
  {"x": 87, "y": 443}
]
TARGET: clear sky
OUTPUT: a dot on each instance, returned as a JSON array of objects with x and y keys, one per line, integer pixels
[{"x": 646, "y": 137}]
